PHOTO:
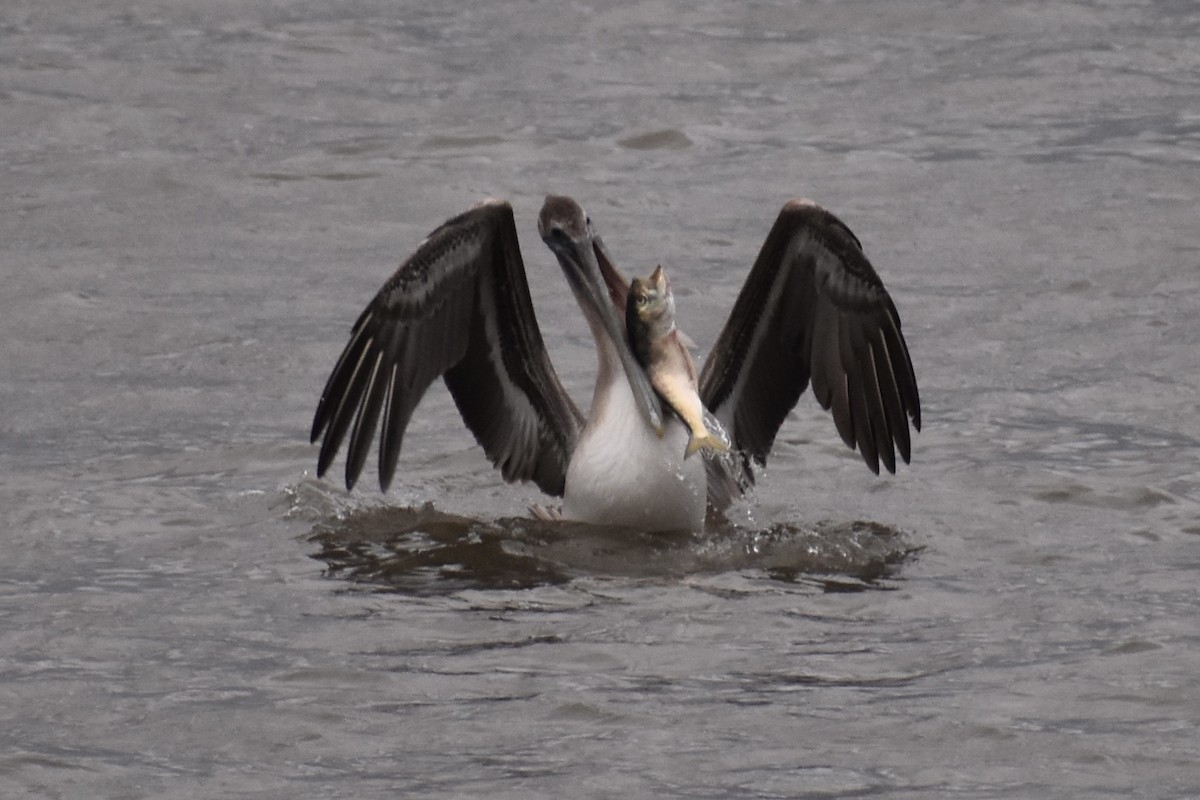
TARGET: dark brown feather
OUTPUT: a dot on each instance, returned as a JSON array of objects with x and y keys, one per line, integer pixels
[
  {"x": 458, "y": 308},
  {"x": 814, "y": 309}
]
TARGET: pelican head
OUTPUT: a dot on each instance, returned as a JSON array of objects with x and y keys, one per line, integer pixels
[{"x": 567, "y": 231}]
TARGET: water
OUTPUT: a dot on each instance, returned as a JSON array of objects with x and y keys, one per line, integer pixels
[{"x": 198, "y": 199}]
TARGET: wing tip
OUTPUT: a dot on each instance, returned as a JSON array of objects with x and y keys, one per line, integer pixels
[
  {"x": 492, "y": 202},
  {"x": 799, "y": 204}
]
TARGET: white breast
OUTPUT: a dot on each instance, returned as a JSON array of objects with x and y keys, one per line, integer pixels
[{"x": 622, "y": 473}]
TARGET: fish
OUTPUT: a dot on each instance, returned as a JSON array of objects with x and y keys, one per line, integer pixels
[{"x": 661, "y": 349}]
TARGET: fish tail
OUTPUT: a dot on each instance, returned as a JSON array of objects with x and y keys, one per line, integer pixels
[{"x": 705, "y": 441}]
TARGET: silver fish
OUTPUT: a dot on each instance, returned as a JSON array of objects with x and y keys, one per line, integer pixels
[{"x": 660, "y": 348}]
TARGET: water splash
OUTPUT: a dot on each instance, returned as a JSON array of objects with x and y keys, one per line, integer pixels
[{"x": 422, "y": 550}]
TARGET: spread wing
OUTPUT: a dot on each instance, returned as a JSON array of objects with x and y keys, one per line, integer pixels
[
  {"x": 459, "y": 308},
  {"x": 814, "y": 308}
]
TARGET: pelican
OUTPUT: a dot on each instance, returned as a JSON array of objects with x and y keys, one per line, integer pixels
[{"x": 812, "y": 310}]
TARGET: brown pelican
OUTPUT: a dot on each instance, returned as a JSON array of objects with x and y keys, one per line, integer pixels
[{"x": 813, "y": 310}]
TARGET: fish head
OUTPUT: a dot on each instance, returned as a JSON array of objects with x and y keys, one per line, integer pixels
[{"x": 652, "y": 303}]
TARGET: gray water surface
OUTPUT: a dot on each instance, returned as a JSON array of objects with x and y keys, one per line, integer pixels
[{"x": 197, "y": 201}]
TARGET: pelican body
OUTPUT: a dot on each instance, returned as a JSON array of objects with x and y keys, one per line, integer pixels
[{"x": 812, "y": 310}]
